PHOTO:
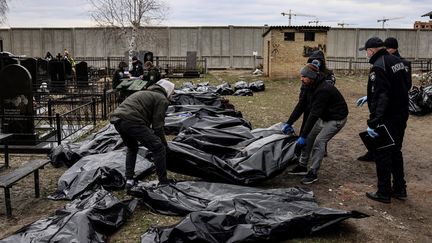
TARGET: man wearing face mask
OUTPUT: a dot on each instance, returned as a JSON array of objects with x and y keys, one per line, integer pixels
[
  {"x": 328, "y": 115},
  {"x": 387, "y": 95},
  {"x": 391, "y": 45}
]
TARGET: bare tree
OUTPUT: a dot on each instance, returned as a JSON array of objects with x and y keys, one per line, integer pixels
[
  {"x": 3, "y": 10},
  {"x": 123, "y": 14}
]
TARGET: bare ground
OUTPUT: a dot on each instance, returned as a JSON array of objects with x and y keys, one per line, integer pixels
[{"x": 342, "y": 184}]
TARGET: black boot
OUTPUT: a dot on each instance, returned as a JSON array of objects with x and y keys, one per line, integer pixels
[
  {"x": 378, "y": 197},
  {"x": 399, "y": 194}
]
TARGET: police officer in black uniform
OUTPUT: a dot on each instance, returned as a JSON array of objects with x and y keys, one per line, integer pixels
[
  {"x": 387, "y": 96},
  {"x": 391, "y": 45}
]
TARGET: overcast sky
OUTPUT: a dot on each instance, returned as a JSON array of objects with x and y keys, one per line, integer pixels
[{"x": 354, "y": 13}]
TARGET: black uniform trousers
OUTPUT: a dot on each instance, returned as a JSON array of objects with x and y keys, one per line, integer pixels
[
  {"x": 133, "y": 134},
  {"x": 389, "y": 161}
]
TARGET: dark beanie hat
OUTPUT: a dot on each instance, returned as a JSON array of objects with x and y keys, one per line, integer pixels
[
  {"x": 391, "y": 43},
  {"x": 310, "y": 70}
]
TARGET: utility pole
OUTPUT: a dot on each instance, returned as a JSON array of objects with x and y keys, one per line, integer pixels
[
  {"x": 383, "y": 20},
  {"x": 290, "y": 14}
]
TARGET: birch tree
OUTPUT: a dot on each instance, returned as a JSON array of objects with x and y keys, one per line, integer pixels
[
  {"x": 124, "y": 14},
  {"x": 3, "y": 10}
]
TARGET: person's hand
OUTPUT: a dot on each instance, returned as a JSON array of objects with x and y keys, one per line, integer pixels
[
  {"x": 287, "y": 129},
  {"x": 360, "y": 102},
  {"x": 372, "y": 132},
  {"x": 301, "y": 142}
]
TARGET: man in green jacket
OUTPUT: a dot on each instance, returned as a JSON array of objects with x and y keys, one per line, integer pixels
[{"x": 140, "y": 119}]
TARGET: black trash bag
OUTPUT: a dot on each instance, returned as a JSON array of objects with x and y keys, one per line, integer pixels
[
  {"x": 196, "y": 108},
  {"x": 420, "y": 100},
  {"x": 196, "y": 98},
  {"x": 202, "y": 84},
  {"x": 188, "y": 85},
  {"x": 243, "y": 92},
  {"x": 230, "y": 213},
  {"x": 86, "y": 219},
  {"x": 241, "y": 85},
  {"x": 265, "y": 132},
  {"x": 99, "y": 170},
  {"x": 224, "y": 89},
  {"x": 206, "y": 89},
  {"x": 176, "y": 122},
  {"x": 105, "y": 140},
  {"x": 415, "y": 96},
  {"x": 427, "y": 97},
  {"x": 227, "y": 155},
  {"x": 257, "y": 86}
]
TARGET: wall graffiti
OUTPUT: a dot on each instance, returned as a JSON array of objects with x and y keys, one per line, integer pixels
[{"x": 275, "y": 48}]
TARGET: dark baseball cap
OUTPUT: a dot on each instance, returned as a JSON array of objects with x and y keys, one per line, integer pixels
[{"x": 372, "y": 42}]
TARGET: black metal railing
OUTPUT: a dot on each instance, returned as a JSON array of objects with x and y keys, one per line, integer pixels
[
  {"x": 69, "y": 123},
  {"x": 100, "y": 67},
  {"x": 362, "y": 65},
  {"x": 51, "y": 103}
]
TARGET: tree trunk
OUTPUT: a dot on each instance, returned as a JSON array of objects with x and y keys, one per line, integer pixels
[{"x": 132, "y": 43}]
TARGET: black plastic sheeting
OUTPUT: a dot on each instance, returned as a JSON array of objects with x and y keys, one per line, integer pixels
[
  {"x": 197, "y": 98},
  {"x": 224, "y": 89},
  {"x": 179, "y": 109},
  {"x": 420, "y": 100},
  {"x": 257, "y": 86},
  {"x": 232, "y": 154},
  {"x": 203, "y": 118},
  {"x": 243, "y": 92},
  {"x": 229, "y": 213},
  {"x": 241, "y": 85},
  {"x": 86, "y": 219},
  {"x": 107, "y": 139},
  {"x": 99, "y": 170}
]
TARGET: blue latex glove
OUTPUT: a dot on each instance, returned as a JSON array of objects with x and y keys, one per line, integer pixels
[
  {"x": 372, "y": 132},
  {"x": 360, "y": 102},
  {"x": 287, "y": 128},
  {"x": 301, "y": 141}
]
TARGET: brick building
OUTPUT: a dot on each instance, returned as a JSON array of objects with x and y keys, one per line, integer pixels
[
  {"x": 423, "y": 25},
  {"x": 287, "y": 48}
]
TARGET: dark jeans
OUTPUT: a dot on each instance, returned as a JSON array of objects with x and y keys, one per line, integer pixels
[
  {"x": 132, "y": 134},
  {"x": 389, "y": 161}
]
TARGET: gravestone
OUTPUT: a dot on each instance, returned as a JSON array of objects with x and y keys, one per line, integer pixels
[
  {"x": 16, "y": 104},
  {"x": 7, "y": 58},
  {"x": 191, "y": 65},
  {"x": 57, "y": 73},
  {"x": 191, "y": 60},
  {"x": 31, "y": 65},
  {"x": 82, "y": 74},
  {"x": 68, "y": 69},
  {"x": 42, "y": 71}
]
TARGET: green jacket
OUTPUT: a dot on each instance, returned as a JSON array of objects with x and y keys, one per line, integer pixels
[{"x": 147, "y": 107}]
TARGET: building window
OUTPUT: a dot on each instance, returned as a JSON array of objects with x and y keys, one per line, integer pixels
[
  {"x": 309, "y": 36},
  {"x": 289, "y": 36}
]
